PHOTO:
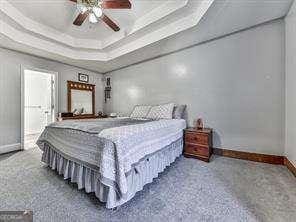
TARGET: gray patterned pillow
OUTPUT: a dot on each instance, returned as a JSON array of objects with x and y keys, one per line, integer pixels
[
  {"x": 161, "y": 111},
  {"x": 179, "y": 111},
  {"x": 140, "y": 111}
]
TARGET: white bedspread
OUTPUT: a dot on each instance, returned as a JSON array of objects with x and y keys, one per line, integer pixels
[{"x": 114, "y": 150}]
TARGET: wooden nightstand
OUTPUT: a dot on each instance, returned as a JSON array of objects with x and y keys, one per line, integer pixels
[{"x": 198, "y": 143}]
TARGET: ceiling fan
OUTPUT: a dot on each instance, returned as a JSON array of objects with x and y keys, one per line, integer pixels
[{"x": 94, "y": 10}]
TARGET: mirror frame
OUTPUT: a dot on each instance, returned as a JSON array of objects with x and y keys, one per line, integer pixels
[{"x": 80, "y": 86}]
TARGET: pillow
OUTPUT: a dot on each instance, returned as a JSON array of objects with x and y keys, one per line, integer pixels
[
  {"x": 140, "y": 111},
  {"x": 161, "y": 111},
  {"x": 179, "y": 111}
]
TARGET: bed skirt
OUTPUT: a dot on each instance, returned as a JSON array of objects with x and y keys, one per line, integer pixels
[{"x": 86, "y": 177}]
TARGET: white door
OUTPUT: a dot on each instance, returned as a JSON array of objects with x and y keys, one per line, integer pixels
[{"x": 38, "y": 104}]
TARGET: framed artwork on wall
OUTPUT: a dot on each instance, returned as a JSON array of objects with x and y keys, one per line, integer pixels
[{"x": 83, "y": 77}]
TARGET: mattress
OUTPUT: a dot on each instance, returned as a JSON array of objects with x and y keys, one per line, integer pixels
[{"x": 110, "y": 147}]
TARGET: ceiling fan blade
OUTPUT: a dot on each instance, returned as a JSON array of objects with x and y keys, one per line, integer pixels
[
  {"x": 110, "y": 23},
  {"x": 73, "y": 1},
  {"x": 116, "y": 4},
  {"x": 80, "y": 18}
]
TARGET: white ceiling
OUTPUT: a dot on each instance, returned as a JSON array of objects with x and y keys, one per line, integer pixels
[
  {"x": 150, "y": 29},
  {"x": 61, "y": 13}
]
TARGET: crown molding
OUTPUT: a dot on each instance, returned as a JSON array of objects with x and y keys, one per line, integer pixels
[
  {"x": 170, "y": 18},
  {"x": 32, "y": 26}
]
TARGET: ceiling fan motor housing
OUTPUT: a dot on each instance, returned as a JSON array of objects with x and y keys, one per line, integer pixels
[
  {"x": 90, "y": 3},
  {"x": 93, "y": 9}
]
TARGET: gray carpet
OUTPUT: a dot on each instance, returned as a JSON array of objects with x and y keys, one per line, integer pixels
[{"x": 190, "y": 190}]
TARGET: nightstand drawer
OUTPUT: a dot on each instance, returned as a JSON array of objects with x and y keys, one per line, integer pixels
[
  {"x": 202, "y": 139},
  {"x": 197, "y": 150}
]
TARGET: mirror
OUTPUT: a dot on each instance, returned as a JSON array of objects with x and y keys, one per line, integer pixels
[
  {"x": 81, "y": 101},
  {"x": 81, "y": 98}
]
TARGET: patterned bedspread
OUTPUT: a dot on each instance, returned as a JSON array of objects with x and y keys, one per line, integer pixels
[
  {"x": 95, "y": 126},
  {"x": 111, "y": 146}
]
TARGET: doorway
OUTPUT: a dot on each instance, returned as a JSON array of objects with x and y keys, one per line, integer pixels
[{"x": 38, "y": 105}]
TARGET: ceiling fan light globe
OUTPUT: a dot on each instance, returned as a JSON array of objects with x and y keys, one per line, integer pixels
[
  {"x": 97, "y": 11},
  {"x": 92, "y": 18},
  {"x": 82, "y": 8}
]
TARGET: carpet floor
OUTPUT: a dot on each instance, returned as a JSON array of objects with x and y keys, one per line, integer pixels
[{"x": 190, "y": 190}]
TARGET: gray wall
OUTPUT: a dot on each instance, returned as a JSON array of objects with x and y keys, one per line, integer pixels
[
  {"x": 10, "y": 89},
  {"x": 290, "y": 147},
  {"x": 236, "y": 84}
]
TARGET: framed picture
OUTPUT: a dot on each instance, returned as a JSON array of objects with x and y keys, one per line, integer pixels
[{"x": 82, "y": 77}]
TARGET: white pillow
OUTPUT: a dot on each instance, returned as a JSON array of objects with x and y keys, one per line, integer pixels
[
  {"x": 140, "y": 111},
  {"x": 178, "y": 112},
  {"x": 161, "y": 111}
]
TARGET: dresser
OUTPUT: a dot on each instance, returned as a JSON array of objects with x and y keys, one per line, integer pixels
[
  {"x": 86, "y": 116},
  {"x": 198, "y": 143}
]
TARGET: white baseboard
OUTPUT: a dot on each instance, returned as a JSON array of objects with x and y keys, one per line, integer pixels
[{"x": 10, "y": 148}]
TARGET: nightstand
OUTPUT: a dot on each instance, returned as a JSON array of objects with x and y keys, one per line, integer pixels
[{"x": 198, "y": 143}]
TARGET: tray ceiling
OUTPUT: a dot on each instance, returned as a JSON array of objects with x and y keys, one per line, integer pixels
[
  {"x": 60, "y": 15},
  {"x": 46, "y": 21},
  {"x": 45, "y": 28}
]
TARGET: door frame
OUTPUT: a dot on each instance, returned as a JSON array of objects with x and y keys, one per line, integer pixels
[{"x": 56, "y": 97}]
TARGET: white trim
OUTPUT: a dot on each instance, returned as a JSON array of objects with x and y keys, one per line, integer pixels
[
  {"x": 48, "y": 46},
  {"x": 163, "y": 32},
  {"x": 30, "y": 25},
  {"x": 174, "y": 21},
  {"x": 56, "y": 97},
  {"x": 10, "y": 148},
  {"x": 156, "y": 14}
]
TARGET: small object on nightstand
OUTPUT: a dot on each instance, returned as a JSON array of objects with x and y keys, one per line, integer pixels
[
  {"x": 102, "y": 115},
  {"x": 113, "y": 115},
  {"x": 60, "y": 118},
  {"x": 199, "y": 123},
  {"x": 198, "y": 143},
  {"x": 67, "y": 114}
]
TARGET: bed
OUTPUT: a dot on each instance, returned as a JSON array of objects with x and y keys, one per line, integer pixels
[{"x": 113, "y": 157}]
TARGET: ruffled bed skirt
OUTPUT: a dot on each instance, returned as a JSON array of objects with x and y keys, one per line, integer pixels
[{"x": 142, "y": 173}]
